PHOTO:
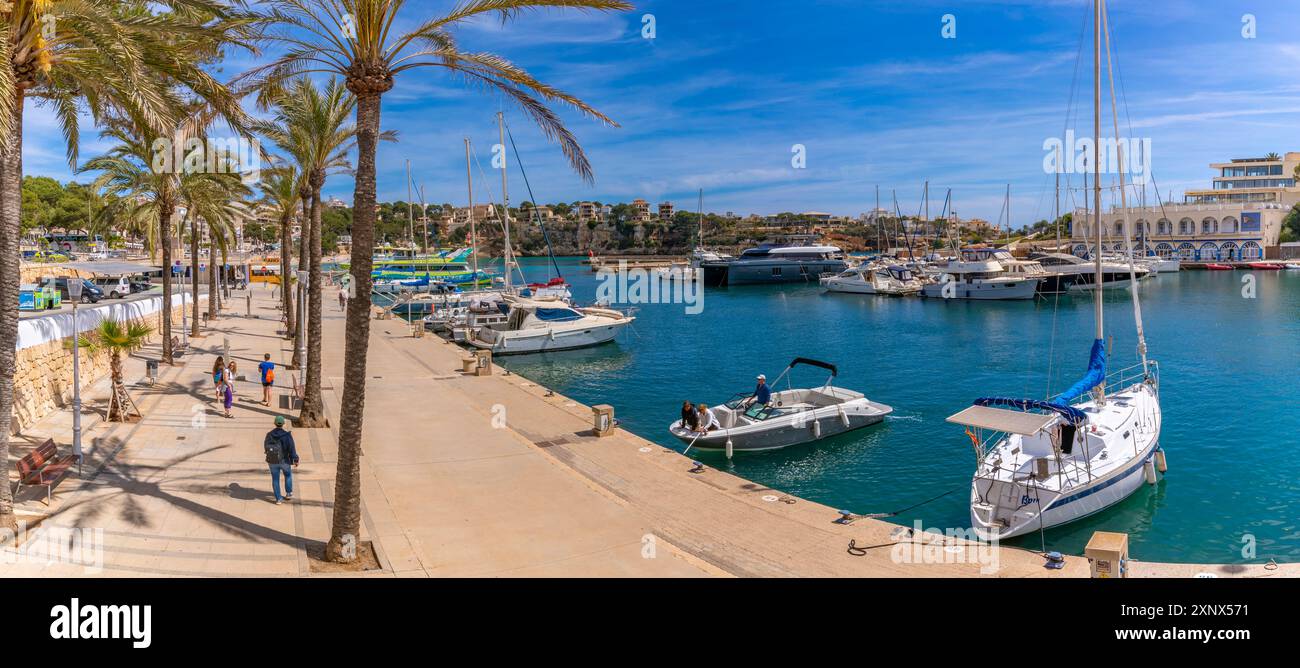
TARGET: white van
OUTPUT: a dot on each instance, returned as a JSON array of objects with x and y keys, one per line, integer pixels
[{"x": 114, "y": 288}]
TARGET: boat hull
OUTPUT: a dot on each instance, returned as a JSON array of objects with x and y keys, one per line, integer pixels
[
  {"x": 759, "y": 437},
  {"x": 982, "y": 290},
  {"x": 545, "y": 340},
  {"x": 768, "y": 271}
]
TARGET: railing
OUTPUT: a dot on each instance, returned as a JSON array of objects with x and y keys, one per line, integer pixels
[{"x": 1121, "y": 378}]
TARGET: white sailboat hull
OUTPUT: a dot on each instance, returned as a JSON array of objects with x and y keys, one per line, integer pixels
[
  {"x": 1006, "y": 506},
  {"x": 547, "y": 340}
]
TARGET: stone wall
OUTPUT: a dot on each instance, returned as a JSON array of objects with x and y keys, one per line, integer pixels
[{"x": 43, "y": 373}]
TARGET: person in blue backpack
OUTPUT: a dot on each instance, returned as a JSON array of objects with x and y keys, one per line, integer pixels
[{"x": 281, "y": 455}]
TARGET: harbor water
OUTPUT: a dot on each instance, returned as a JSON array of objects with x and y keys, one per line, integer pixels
[{"x": 1228, "y": 346}]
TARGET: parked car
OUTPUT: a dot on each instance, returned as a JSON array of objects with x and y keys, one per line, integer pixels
[
  {"x": 116, "y": 288},
  {"x": 140, "y": 284},
  {"x": 90, "y": 293}
]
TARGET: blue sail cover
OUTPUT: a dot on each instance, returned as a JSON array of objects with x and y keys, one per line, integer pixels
[
  {"x": 1096, "y": 375},
  {"x": 1068, "y": 412}
]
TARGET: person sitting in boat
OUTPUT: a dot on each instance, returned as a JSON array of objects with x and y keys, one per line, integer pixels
[
  {"x": 762, "y": 393},
  {"x": 689, "y": 419},
  {"x": 707, "y": 421}
]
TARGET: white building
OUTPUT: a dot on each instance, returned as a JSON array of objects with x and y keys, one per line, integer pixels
[{"x": 1237, "y": 218}]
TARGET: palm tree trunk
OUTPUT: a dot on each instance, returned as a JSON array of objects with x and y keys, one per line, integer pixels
[
  {"x": 165, "y": 210},
  {"x": 313, "y": 407},
  {"x": 194, "y": 273},
  {"x": 345, "y": 531},
  {"x": 116, "y": 411},
  {"x": 11, "y": 198},
  {"x": 285, "y": 258}
]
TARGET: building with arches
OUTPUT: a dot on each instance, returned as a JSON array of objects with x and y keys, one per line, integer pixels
[{"x": 1239, "y": 218}]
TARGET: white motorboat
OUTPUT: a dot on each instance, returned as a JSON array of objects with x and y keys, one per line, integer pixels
[
  {"x": 1047, "y": 463},
  {"x": 978, "y": 275},
  {"x": 870, "y": 279},
  {"x": 792, "y": 416},
  {"x": 1293, "y": 265},
  {"x": 540, "y": 326},
  {"x": 1070, "y": 273}
]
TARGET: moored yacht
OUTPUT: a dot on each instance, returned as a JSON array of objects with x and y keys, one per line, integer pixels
[
  {"x": 870, "y": 279},
  {"x": 1070, "y": 273},
  {"x": 977, "y": 274},
  {"x": 771, "y": 263},
  {"x": 539, "y": 326}
]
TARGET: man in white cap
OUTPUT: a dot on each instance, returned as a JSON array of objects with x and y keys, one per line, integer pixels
[{"x": 762, "y": 394}]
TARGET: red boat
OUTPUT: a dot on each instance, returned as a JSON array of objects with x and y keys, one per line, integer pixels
[
  {"x": 1265, "y": 265},
  {"x": 1218, "y": 267}
]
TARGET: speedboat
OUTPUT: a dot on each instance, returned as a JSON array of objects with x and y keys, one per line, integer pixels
[
  {"x": 869, "y": 279},
  {"x": 1214, "y": 266},
  {"x": 979, "y": 275},
  {"x": 1293, "y": 265},
  {"x": 792, "y": 416},
  {"x": 1268, "y": 266},
  {"x": 534, "y": 325}
]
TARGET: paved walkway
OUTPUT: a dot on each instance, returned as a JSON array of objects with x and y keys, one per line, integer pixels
[{"x": 462, "y": 476}]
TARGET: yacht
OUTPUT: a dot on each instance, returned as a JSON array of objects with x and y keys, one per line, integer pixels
[
  {"x": 871, "y": 279},
  {"x": 1070, "y": 273},
  {"x": 977, "y": 274},
  {"x": 535, "y": 326},
  {"x": 771, "y": 263}
]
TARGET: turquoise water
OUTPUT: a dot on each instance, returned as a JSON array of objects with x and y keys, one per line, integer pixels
[{"x": 1230, "y": 381}]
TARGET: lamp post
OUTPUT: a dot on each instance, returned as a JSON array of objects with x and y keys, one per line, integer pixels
[{"x": 74, "y": 293}]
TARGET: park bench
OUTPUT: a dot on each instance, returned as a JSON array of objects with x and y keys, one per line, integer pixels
[
  {"x": 293, "y": 401},
  {"x": 43, "y": 467},
  {"x": 178, "y": 348}
]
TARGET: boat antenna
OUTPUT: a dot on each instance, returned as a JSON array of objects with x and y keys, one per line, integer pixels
[
  {"x": 1128, "y": 237},
  {"x": 473, "y": 232},
  {"x": 537, "y": 215}
]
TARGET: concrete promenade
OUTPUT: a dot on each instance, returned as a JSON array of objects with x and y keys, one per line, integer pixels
[{"x": 462, "y": 476}]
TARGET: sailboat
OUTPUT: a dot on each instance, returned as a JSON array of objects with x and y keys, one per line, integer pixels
[{"x": 1051, "y": 462}]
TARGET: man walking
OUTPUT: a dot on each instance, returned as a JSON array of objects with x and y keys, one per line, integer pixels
[
  {"x": 267, "y": 370},
  {"x": 281, "y": 455}
]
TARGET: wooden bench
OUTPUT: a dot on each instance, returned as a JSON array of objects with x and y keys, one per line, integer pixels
[
  {"x": 178, "y": 348},
  {"x": 43, "y": 467}
]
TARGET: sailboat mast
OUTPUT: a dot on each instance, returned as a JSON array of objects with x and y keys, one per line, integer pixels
[
  {"x": 1096, "y": 162},
  {"x": 699, "y": 219},
  {"x": 1056, "y": 206},
  {"x": 505, "y": 196},
  {"x": 410, "y": 208},
  {"x": 1123, "y": 203},
  {"x": 473, "y": 233}
]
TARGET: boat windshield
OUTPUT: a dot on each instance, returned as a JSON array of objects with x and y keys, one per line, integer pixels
[{"x": 557, "y": 314}]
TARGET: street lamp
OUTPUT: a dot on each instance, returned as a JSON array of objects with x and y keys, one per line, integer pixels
[{"x": 74, "y": 293}]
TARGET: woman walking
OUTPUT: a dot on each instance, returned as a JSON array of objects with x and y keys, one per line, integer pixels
[{"x": 219, "y": 376}]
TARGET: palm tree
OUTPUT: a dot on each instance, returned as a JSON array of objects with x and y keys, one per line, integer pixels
[
  {"x": 355, "y": 39},
  {"x": 311, "y": 124},
  {"x": 1272, "y": 156},
  {"x": 210, "y": 196},
  {"x": 118, "y": 339},
  {"x": 280, "y": 195},
  {"x": 95, "y": 56}
]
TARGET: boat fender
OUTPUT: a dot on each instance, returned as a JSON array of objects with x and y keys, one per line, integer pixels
[
  {"x": 844, "y": 417},
  {"x": 729, "y": 450},
  {"x": 816, "y": 429},
  {"x": 1161, "y": 464},
  {"x": 1149, "y": 470}
]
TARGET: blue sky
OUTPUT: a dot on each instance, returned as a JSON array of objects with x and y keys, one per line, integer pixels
[{"x": 872, "y": 90}]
